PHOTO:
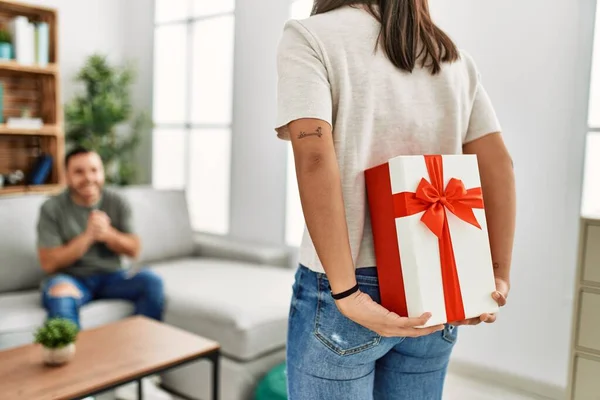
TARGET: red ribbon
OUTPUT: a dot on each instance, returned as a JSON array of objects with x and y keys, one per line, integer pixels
[{"x": 434, "y": 200}]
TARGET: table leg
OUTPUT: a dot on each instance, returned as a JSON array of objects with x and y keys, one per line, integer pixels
[
  {"x": 140, "y": 390},
  {"x": 215, "y": 358}
]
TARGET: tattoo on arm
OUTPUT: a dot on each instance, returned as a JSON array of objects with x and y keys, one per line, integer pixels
[
  {"x": 318, "y": 133},
  {"x": 496, "y": 265}
]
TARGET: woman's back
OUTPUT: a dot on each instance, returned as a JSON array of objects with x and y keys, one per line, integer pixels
[
  {"x": 331, "y": 69},
  {"x": 353, "y": 93}
]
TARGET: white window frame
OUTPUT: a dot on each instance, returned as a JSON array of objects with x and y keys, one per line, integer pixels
[
  {"x": 590, "y": 200},
  {"x": 595, "y": 77},
  {"x": 188, "y": 127}
]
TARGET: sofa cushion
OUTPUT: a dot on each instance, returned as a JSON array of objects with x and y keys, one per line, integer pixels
[
  {"x": 161, "y": 219},
  {"x": 242, "y": 306},
  {"x": 19, "y": 266},
  {"x": 21, "y": 314}
]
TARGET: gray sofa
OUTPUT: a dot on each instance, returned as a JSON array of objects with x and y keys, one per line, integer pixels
[{"x": 232, "y": 292}]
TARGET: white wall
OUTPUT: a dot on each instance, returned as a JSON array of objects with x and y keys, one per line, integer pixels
[
  {"x": 258, "y": 160},
  {"x": 535, "y": 62},
  {"x": 137, "y": 21}
]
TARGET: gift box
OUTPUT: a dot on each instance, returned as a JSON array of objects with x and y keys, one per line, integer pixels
[{"x": 431, "y": 239}]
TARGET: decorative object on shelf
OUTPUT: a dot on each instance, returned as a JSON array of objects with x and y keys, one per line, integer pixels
[
  {"x": 41, "y": 170},
  {"x": 6, "y": 47},
  {"x": 57, "y": 337},
  {"x": 15, "y": 177},
  {"x": 23, "y": 33},
  {"x": 29, "y": 40},
  {"x": 92, "y": 118},
  {"x": 42, "y": 43},
  {"x": 24, "y": 123}
]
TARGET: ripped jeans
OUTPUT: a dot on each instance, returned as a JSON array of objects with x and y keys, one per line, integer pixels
[
  {"x": 145, "y": 290},
  {"x": 329, "y": 357}
]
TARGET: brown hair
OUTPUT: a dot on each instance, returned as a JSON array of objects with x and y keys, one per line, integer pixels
[{"x": 406, "y": 25}]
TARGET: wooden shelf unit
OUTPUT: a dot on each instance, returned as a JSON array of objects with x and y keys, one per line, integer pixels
[
  {"x": 12, "y": 66},
  {"x": 37, "y": 88},
  {"x": 46, "y": 130},
  {"x": 24, "y": 189}
]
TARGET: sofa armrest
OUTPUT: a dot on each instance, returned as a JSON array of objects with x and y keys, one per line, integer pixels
[{"x": 216, "y": 246}]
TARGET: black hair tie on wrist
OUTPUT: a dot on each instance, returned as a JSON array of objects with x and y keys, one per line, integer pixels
[{"x": 345, "y": 294}]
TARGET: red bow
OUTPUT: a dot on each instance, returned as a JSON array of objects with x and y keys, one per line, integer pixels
[
  {"x": 434, "y": 200},
  {"x": 456, "y": 199}
]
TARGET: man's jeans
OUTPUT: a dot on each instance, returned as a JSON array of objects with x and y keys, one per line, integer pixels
[
  {"x": 330, "y": 357},
  {"x": 144, "y": 289}
]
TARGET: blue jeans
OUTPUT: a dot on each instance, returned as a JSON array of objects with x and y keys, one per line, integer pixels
[
  {"x": 330, "y": 357},
  {"x": 144, "y": 289}
]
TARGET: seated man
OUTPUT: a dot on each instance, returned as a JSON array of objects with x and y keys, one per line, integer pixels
[{"x": 82, "y": 234}]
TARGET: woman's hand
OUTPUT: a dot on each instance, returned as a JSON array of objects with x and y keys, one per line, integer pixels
[
  {"x": 500, "y": 295},
  {"x": 361, "y": 309}
]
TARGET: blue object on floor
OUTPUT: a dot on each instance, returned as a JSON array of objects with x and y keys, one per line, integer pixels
[{"x": 274, "y": 385}]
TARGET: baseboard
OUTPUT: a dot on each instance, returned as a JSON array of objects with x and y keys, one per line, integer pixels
[{"x": 541, "y": 389}]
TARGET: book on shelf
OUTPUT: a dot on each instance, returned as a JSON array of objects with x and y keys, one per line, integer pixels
[
  {"x": 41, "y": 170},
  {"x": 42, "y": 43},
  {"x": 31, "y": 41},
  {"x": 22, "y": 33}
]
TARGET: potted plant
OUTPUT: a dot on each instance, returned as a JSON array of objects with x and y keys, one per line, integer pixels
[
  {"x": 57, "y": 337},
  {"x": 6, "y": 46},
  {"x": 102, "y": 117}
]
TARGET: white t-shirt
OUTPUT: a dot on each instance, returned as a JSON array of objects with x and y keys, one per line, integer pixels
[{"x": 328, "y": 70}]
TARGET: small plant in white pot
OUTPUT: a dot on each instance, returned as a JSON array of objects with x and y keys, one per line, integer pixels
[{"x": 57, "y": 337}]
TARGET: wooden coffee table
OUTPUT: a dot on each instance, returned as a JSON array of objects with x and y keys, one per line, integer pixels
[{"x": 106, "y": 357}]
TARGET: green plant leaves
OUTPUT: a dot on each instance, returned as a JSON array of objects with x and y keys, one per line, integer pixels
[
  {"x": 92, "y": 117},
  {"x": 56, "y": 333},
  {"x": 5, "y": 36}
]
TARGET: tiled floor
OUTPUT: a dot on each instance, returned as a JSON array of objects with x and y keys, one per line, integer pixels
[{"x": 457, "y": 388}]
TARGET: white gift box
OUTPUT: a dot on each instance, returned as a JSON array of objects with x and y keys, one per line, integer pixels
[{"x": 431, "y": 239}]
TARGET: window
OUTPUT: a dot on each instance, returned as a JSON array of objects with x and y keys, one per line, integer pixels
[
  {"x": 591, "y": 186},
  {"x": 193, "y": 96},
  {"x": 294, "y": 224}
]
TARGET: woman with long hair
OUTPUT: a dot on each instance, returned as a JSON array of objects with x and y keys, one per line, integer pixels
[{"x": 361, "y": 82}]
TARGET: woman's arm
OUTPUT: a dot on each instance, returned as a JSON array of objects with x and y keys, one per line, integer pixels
[
  {"x": 323, "y": 205},
  {"x": 498, "y": 185},
  {"x": 321, "y": 197}
]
